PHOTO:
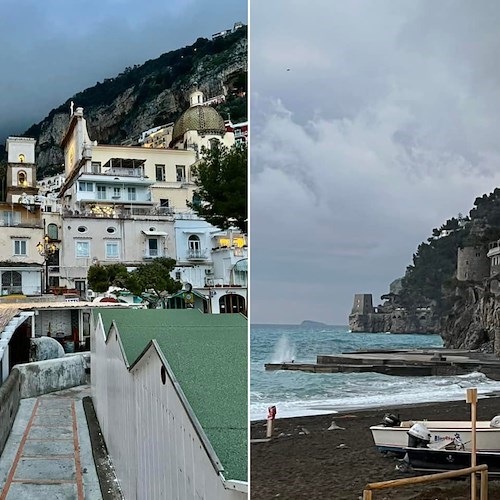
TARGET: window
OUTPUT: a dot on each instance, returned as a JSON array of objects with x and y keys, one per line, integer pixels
[
  {"x": 112, "y": 250},
  {"x": 180, "y": 172},
  {"x": 85, "y": 186},
  {"x": 131, "y": 194},
  {"x": 153, "y": 247},
  {"x": 116, "y": 192},
  {"x": 194, "y": 242},
  {"x": 177, "y": 275},
  {"x": 101, "y": 192},
  {"x": 21, "y": 158},
  {"x": 196, "y": 200},
  {"x": 111, "y": 229},
  {"x": 96, "y": 167},
  {"x": 81, "y": 229},
  {"x": 11, "y": 218},
  {"x": 21, "y": 178},
  {"x": 11, "y": 282},
  {"x": 20, "y": 247},
  {"x": 52, "y": 232},
  {"x": 82, "y": 249},
  {"x": 160, "y": 172},
  {"x": 164, "y": 207}
]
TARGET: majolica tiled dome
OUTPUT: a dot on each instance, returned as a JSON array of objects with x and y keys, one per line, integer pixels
[{"x": 203, "y": 119}]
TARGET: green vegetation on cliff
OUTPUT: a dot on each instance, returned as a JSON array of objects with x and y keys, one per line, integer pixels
[
  {"x": 154, "y": 93},
  {"x": 428, "y": 278}
]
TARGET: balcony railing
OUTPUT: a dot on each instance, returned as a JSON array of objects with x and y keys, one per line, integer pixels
[
  {"x": 153, "y": 254},
  {"x": 122, "y": 212},
  {"x": 21, "y": 224},
  {"x": 196, "y": 254}
]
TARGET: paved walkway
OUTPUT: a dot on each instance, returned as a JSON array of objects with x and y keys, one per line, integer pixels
[{"x": 48, "y": 453}]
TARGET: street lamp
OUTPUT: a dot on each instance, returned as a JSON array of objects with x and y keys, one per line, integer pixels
[{"x": 46, "y": 250}]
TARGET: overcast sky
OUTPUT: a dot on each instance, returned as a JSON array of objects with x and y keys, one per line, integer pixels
[
  {"x": 385, "y": 125},
  {"x": 52, "y": 49}
]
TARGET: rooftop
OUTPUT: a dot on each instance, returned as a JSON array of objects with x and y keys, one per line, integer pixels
[{"x": 208, "y": 355}]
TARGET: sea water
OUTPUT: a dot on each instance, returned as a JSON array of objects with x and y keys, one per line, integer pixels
[{"x": 296, "y": 393}]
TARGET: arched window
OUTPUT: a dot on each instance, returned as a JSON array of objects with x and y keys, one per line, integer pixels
[
  {"x": 52, "y": 232},
  {"x": 21, "y": 158},
  {"x": 194, "y": 242},
  {"x": 232, "y": 304},
  {"x": 21, "y": 178}
]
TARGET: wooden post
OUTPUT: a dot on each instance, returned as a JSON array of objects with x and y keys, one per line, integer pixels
[
  {"x": 471, "y": 398},
  {"x": 270, "y": 428},
  {"x": 484, "y": 485},
  {"x": 367, "y": 495}
]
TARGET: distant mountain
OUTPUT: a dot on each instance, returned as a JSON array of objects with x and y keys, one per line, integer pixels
[
  {"x": 147, "y": 95},
  {"x": 308, "y": 322}
]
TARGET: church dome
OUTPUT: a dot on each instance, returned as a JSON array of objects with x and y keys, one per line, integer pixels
[{"x": 203, "y": 119}]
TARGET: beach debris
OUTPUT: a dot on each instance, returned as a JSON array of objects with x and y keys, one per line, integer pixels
[
  {"x": 403, "y": 467},
  {"x": 342, "y": 446},
  {"x": 305, "y": 431},
  {"x": 335, "y": 427}
]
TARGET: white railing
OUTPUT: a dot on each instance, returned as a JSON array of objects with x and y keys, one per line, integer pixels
[{"x": 196, "y": 253}]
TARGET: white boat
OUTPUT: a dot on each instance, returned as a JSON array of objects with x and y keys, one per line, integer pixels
[{"x": 394, "y": 438}]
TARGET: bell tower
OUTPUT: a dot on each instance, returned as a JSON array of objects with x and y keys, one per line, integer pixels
[{"x": 21, "y": 168}]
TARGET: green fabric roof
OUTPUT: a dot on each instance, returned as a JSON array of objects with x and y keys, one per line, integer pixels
[{"x": 208, "y": 355}]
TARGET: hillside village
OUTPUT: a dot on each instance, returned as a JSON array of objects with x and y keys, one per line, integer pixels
[{"x": 125, "y": 204}]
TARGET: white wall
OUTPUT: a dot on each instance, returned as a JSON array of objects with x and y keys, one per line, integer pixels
[
  {"x": 154, "y": 445},
  {"x": 20, "y": 145}
]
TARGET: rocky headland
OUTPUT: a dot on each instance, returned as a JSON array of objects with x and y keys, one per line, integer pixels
[{"x": 451, "y": 288}]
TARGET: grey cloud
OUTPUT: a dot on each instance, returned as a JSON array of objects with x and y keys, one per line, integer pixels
[
  {"x": 64, "y": 48},
  {"x": 348, "y": 178}
]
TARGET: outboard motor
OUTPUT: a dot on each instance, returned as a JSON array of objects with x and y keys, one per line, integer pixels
[
  {"x": 390, "y": 420},
  {"x": 495, "y": 422},
  {"x": 418, "y": 436}
]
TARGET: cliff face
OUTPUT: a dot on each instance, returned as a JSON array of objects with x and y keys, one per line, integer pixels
[
  {"x": 146, "y": 96},
  {"x": 394, "y": 322},
  {"x": 473, "y": 321}
]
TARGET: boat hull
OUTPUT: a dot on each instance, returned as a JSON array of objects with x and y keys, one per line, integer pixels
[
  {"x": 426, "y": 459},
  {"x": 395, "y": 439}
]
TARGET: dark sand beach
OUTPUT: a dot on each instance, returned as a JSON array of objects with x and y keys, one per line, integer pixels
[{"x": 322, "y": 464}]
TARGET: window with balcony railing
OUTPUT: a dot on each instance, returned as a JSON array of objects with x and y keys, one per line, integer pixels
[{"x": 153, "y": 248}]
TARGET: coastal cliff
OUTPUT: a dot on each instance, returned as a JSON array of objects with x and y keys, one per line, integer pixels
[
  {"x": 149, "y": 95},
  {"x": 473, "y": 320},
  {"x": 394, "y": 322},
  {"x": 452, "y": 286}
]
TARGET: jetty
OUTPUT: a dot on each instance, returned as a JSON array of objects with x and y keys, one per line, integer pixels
[{"x": 401, "y": 362}]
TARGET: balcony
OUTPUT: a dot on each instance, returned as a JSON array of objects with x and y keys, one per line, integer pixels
[
  {"x": 21, "y": 224},
  {"x": 196, "y": 254},
  {"x": 152, "y": 253}
]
